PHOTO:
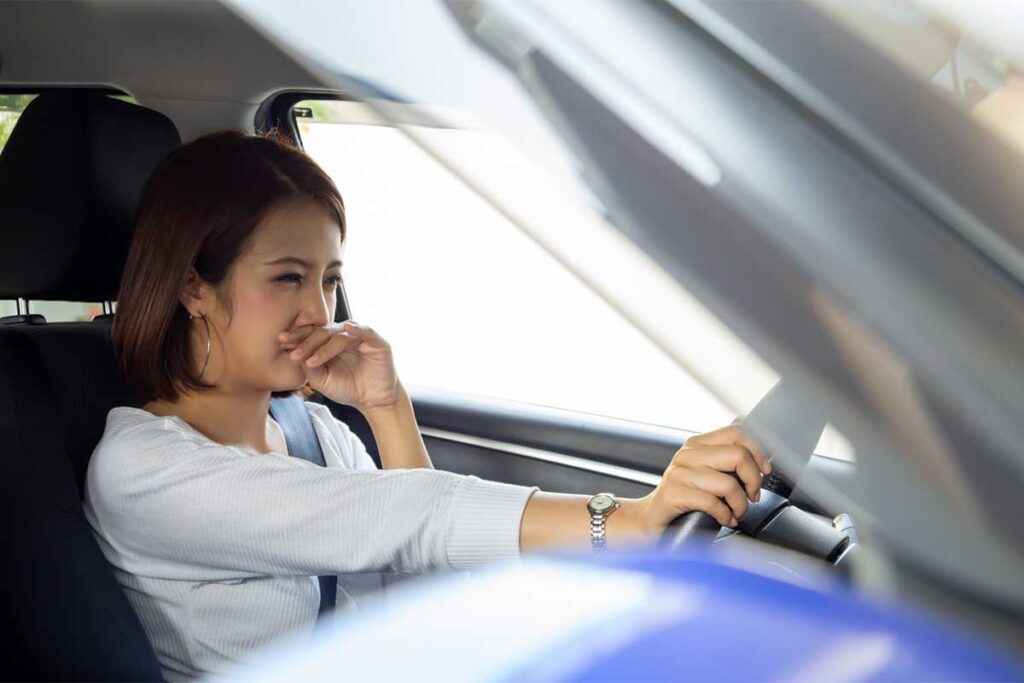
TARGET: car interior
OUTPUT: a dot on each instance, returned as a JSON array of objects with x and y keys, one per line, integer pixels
[{"x": 71, "y": 175}]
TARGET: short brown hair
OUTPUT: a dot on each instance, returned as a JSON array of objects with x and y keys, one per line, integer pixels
[{"x": 199, "y": 209}]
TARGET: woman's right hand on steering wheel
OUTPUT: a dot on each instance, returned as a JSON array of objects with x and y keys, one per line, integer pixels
[{"x": 717, "y": 472}]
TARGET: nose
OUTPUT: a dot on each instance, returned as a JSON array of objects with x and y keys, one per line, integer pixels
[{"x": 317, "y": 307}]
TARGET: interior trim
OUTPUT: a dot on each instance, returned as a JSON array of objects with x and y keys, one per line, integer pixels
[{"x": 573, "y": 461}]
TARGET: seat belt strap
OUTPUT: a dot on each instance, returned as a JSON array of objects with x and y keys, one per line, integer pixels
[{"x": 300, "y": 436}]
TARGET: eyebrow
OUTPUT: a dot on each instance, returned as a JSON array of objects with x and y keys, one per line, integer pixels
[{"x": 299, "y": 262}]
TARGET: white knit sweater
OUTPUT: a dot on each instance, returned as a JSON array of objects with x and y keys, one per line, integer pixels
[{"x": 217, "y": 547}]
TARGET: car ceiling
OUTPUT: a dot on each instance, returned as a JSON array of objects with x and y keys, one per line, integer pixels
[{"x": 197, "y": 62}]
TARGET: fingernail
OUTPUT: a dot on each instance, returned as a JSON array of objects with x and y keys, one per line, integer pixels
[
  {"x": 757, "y": 496},
  {"x": 733, "y": 521}
]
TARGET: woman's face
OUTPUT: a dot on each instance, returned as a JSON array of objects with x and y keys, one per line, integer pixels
[{"x": 286, "y": 279}]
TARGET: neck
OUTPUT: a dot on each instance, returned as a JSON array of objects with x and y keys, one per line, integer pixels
[{"x": 229, "y": 418}]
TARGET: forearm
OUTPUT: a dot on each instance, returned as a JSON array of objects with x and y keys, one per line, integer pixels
[
  {"x": 560, "y": 519},
  {"x": 398, "y": 435}
]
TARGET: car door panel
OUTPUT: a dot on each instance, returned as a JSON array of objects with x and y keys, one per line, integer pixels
[{"x": 557, "y": 450}]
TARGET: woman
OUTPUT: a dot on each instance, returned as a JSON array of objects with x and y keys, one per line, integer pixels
[{"x": 215, "y": 533}]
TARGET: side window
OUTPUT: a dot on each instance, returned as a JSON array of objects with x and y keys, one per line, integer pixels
[
  {"x": 11, "y": 107},
  {"x": 57, "y": 311},
  {"x": 468, "y": 301},
  {"x": 66, "y": 311}
]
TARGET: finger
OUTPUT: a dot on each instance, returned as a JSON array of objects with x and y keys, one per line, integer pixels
[
  {"x": 296, "y": 334},
  {"x": 334, "y": 346},
  {"x": 311, "y": 343},
  {"x": 357, "y": 329},
  {"x": 721, "y": 485},
  {"x": 734, "y": 459},
  {"x": 691, "y": 499},
  {"x": 733, "y": 434},
  {"x": 363, "y": 333}
]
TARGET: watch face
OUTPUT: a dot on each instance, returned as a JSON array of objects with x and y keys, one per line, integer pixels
[{"x": 602, "y": 503}]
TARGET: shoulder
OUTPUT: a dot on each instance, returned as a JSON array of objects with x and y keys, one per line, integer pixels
[
  {"x": 135, "y": 440},
  {"x": 139, "y": 430}
]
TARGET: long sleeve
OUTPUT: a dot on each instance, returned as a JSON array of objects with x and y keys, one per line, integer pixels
[{"x": 173, "y": 505}]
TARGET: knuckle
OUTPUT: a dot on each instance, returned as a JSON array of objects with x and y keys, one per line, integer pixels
[
  {"x": 715, "y": 486},
  {"x": 723, "y": 483},
  {"x": 721, "y": 514},
  {"x": 754, "y": 477},
  {"x": 682, "y": 457},
  {"x": 677, "y": 475}
]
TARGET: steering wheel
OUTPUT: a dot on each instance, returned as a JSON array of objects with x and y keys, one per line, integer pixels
[
  {"x": 686, "y": 526},
  {"x": 793, "y": 425}
]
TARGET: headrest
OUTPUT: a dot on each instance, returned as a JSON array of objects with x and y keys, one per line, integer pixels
[{"x": 71, "y": 176}]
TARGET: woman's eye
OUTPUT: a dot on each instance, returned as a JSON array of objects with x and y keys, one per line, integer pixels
[{"x": 333, "y": 281}]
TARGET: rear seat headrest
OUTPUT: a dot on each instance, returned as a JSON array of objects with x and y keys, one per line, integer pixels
[{"x": 71, "y": 176}]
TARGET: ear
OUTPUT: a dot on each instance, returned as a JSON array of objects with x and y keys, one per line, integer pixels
[{"x": 192, "y": 293}]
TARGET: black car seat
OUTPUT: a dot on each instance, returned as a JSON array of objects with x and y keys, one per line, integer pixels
[{"x": 71, "y": 176}]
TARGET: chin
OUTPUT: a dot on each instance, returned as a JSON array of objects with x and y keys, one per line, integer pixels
[{"x": 287, "y": 380}]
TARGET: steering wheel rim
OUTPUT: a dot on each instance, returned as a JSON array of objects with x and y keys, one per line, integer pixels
[
  {"x": 687, "y": 526},
  {"x": 783, "y": 412}
]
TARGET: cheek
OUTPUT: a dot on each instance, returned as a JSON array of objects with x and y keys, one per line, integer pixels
[
  {"x": 258, "y": 318},
  {"x": 265, "y": 303}
]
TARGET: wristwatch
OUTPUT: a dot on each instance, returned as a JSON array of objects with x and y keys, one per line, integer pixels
[{"x": 600, "y": 507}]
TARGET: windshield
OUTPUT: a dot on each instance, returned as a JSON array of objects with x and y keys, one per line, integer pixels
[
  {"x": 536, "y": 224},
  {"x": 968, "y": 52},
  {"x": 413, "y": 65},
  {"x": 466, "y": 112}
]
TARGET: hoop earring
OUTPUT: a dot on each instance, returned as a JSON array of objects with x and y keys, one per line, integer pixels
[{"x": 208, "y": 345}]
